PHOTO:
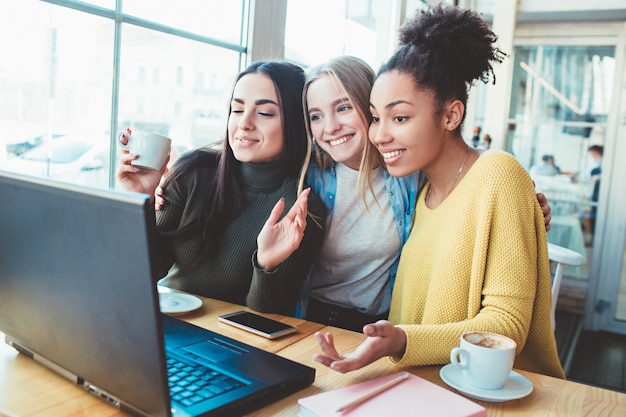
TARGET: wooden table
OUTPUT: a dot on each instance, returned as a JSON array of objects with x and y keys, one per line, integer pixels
[
  {"x": 28, "y": 389},
  {"x": 550, "y": 397},
  {"x": 206, "y": 316}
]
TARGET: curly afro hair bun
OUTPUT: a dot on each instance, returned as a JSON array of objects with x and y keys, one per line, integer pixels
[
  {"x": 460, "y": 37},
  {"x": 446, "y": 49}
]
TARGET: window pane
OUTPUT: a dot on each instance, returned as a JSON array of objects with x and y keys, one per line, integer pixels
[
  {"x": 213, "y": 18},
  {"x": 56, "y": 91},
  {"x": 175, "y": 87},
  {"x": 318, "y": 31},
  {"x": 58, "y": 86}
]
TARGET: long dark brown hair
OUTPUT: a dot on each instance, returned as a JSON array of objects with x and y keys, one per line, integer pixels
[{"x": 226, "y": 200}]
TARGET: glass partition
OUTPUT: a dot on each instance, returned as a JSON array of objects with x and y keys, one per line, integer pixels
[{"x": 558, "y": 114}]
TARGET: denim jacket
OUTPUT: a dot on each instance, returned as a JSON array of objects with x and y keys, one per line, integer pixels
[{"x": 402, "y": 194}]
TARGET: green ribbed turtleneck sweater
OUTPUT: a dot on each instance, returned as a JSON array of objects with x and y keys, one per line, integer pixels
[{"x": 229, "y": 273}]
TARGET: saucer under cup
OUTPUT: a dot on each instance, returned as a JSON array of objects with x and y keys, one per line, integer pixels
[
  {"x": 516, "y": 386},
  {"x": 178, "y": 303}
]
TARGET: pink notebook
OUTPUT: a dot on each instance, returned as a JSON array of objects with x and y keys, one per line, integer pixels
[{"x": 412, "y": 397}]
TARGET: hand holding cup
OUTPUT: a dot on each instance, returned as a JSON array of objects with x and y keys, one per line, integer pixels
[
  {"x": 152, "y": 149},
  {"x": 143, "y": 160}
]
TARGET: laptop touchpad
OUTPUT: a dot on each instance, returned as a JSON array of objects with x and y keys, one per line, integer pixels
[{"x": 209, "y": 350}]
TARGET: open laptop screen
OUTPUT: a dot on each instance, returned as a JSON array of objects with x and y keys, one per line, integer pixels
[{"x": 69, "y": 255}]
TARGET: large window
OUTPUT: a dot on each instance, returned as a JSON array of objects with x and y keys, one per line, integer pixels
[
  {"x": 320, "y": 30},
  {"x": 75, "y": 72}
]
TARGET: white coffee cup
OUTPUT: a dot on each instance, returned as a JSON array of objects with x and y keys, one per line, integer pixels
[
  {"x": 151, "y": 148},
  {"x": 485, "y": 359}
]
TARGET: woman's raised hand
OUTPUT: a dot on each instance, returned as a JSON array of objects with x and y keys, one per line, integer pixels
[{"x": 279, "y": 239}]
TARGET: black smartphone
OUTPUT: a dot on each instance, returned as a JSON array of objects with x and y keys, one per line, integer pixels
[{"x": 257, "y": 324}]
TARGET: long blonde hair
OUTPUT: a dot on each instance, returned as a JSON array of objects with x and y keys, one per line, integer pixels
[{"x": 355, "y": 78}]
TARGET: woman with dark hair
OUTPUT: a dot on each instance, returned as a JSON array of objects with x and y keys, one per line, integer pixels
[
  {"x": 476, "y": 257},
  {"x": 221, "y": 224}
]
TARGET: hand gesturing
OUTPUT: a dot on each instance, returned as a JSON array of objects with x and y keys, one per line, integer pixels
[
  {"x": 383, "y": 339},
  {"x": 279, "y": 239}
]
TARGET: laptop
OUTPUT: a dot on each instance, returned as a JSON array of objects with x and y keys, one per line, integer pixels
[{"x": 78, "y": 294}]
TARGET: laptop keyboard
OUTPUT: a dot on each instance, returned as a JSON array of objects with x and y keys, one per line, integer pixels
[{"x": 192, "y": 384}]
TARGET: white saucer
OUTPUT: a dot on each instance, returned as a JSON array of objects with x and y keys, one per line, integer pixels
[
  {"x": 517, "y": 386},
  {"x": 178, "y": 303}
]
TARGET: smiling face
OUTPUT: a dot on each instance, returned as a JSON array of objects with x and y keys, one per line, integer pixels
[
  {"x": 404, "y": 128},
  {"x": 336, "y": 125},
  {"x": 255, "y": 128}
]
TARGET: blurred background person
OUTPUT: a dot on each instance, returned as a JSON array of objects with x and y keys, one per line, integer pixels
[
  {"x": 486, "y": 142},
  {"x": 546, "y": 167},
  {"x": 589, "y": 216},
  {"x": 476, "y": 136}
]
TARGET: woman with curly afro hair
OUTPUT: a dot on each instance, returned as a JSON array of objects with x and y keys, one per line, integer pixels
[{"x": 476, "y": 258}]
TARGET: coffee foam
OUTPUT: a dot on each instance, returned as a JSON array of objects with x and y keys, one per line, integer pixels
[{"x": 489, "y": 340}]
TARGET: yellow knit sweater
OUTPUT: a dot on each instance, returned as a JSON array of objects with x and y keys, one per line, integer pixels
[{"x": 479, "y": 261}]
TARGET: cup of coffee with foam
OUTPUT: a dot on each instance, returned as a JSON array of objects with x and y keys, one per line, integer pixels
[{"x": 485, "y": 359}]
